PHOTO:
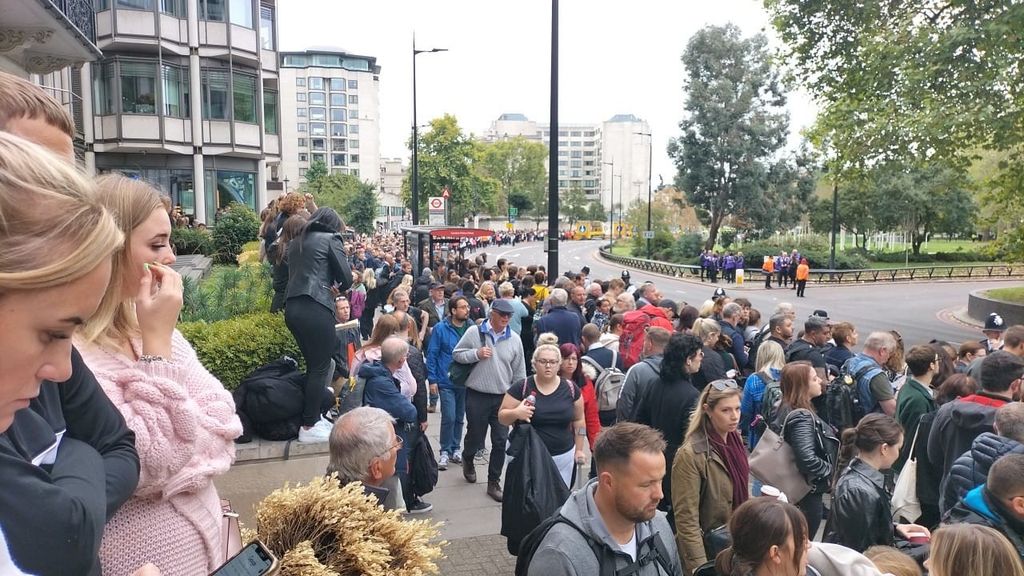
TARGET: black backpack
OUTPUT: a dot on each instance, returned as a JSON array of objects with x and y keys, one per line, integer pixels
[
  {"x": 422, "y": 466},
  {"x": 840, "y": 405},
  {"x": 650, "y": 550}
]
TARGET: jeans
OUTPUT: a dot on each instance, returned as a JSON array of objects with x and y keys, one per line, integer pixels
[
  {"x": 312, "y": 325},
  {"x": 481, "y": 412},
  {"x": 453, "y": 413}
]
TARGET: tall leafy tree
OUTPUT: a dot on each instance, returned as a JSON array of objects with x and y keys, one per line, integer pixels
[
  {"x": 596, "y": 211},
  {"x": 315, "y": 176},
  {"x": 447, "y": 159},
  {"x": 517, "y": 164},
  {"x": 734, "y": 125},
  {"x": 354, "y": 200},
  {"x": 574, "y": 206}
]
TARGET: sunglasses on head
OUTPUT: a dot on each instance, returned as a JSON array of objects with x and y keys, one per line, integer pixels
[{"x": 724, "y": 384}]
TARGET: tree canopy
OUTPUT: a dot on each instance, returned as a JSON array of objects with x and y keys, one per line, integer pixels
[
  {"x": 354, "y": 200},
  {"x": 517, "y": 165}
]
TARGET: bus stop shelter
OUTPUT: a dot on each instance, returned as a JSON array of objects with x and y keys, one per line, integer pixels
[{"x": 422, "y": 242}]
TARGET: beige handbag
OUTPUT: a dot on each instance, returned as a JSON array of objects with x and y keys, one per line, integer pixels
[
  {"x": 231, "y": 532},
  {"x": 773, "y": 463}
]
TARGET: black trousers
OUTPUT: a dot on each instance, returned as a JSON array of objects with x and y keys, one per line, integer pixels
[
  {"x": 481, "y": 412},
  {"x": 801, "y": 285},
  {"x": 813, "y": 508},
  {"x": 767, "y": 279},
  {"x": 312, "y": 325}
]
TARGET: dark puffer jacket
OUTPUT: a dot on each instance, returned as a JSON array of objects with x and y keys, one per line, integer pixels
[
  {"x": 814, "y": 445},
  {"x": 971, "y": 470}
]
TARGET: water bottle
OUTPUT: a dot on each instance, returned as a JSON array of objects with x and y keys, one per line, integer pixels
[{"x": 530, "y": 400}]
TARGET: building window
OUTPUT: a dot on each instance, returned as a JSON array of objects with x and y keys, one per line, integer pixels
[
  {"x": 337, "y": 159},
  {"x": 138, "y": 87},
  {"x": 317, "y": 129},
  {"x": 576, "y": 154},
  {"x": 355, "y": 171},
  {"x": 316, "y": 83},
  {"x": 353, "y": 114},
  {"x": 337, "y": 99},
  {"x": 563, "y": 172},
  {"x": 337, "y": 84},
  {"x": 135, "y": 4},
  {"x": 353, "y": 129},
  {"x": 575, "y": 174},
  {"x": 563, "y": 133},
  {"x": 300, "y": 97},
  {"x": 338, "y": 115},
  {"x": 588, "y": 152},
  {"x": 576, "y": 164},
  {"x": 302, "y": 172},
  {"x": 563, "y": 152},
  {"x": 245, "y": 98},
  {"x": 175, "y": 84},
  {"x": 563, "y": 183},
  {"x": 354, "y": 159},
  {"x": 267, "y": 27},
  {"x": 353, "y": 84},
  {"x": 104, "y": 88},
  {"x": 575, "y": 134},
  {"x": 318, "y": 114},
  {"x": 353, "y": 144},
  {"x": 301, "y": 112},
  {"x": 339, "y": 130},
  {"x": 300, "y": 81},
  {"x": 319, "y": 144},
  {"x": 212, "y": 10},
  {"x": 303, "y": 157},
  {"x": 322, "y": 158},
  {"x": 230, "y": 186},
  {"x": 589, "y": 183},
  {"x": 302, "y": 142},
  {"x": 353, "y": 99},
  {"x": 241, "y": 13},
  {"x": 317, "y": 99},
  {"x": 174, "y": 8},
  {"x": 301, "y": 127},
  {"x": 339, "y": 144},
  {"x": 215, "y": 95},
  {"x": 563, "y": 163},
  {"x": 588, "y": 162},
  {"x": 270, "y": 112}
]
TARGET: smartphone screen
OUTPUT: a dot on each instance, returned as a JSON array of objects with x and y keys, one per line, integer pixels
[{"x": 253, "y": 560}]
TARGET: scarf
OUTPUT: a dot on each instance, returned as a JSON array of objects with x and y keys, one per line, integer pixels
[{"x": 734, "y": 454}]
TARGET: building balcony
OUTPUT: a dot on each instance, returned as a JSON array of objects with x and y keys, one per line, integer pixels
[{"x": 43, "y": 36}]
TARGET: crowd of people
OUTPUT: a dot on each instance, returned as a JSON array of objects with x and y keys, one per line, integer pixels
[{"x": 112, "y": 431}]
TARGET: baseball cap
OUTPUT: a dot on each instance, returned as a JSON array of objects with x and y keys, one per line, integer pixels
[
  {"x": 995, "y": 323},
  {"x": 436, "y": 285},
  {"x": 502, "y": 305},
  {"x": 670, "y": 304}
]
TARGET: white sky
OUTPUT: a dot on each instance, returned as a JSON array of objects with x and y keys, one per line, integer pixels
[{"x": 615, "y": 58}]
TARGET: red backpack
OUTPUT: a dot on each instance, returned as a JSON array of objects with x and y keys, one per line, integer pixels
[{"x": 631, "y": 342}]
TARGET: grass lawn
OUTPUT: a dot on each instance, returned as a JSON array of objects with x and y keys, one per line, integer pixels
[
  {"x": 919, "y": 264},
  {"x": 1007, "y": 294},
  {"x": 622, "y": 250},
  {"x": 946, "y": 246}
]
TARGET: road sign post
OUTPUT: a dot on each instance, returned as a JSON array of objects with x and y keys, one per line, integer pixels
[{"x": 648, "y": 234}]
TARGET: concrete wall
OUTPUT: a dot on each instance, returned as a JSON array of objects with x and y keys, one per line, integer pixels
[{"x": 980, "y": 306}]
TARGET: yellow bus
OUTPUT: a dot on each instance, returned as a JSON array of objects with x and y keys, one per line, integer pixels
[{"x": 587, "y": 230}]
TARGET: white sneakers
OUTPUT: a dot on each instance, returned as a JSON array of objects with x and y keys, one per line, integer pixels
[{"x": 318, "y": 432}]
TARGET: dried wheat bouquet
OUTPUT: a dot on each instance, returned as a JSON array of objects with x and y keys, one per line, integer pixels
[{"x": 323, "y": 529}]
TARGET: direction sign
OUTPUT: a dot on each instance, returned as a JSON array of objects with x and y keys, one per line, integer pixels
[
  {"x": 648, "y": 234},
  {"x": 444, "y": 193}
]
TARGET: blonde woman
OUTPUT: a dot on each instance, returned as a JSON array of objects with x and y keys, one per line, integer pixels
[
  {"x": 713, "y": 367},
  {"x": 710, "y": 472},
  {"x": 770, "y": 360},
  {"x": 962, "y": 549},
  {"x": 183, "y": 418},
  {"x": 370, "y": 302},
  {"x": 55, "y": 247}
]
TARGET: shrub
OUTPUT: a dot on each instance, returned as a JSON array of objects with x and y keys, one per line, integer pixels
[
  {"x": 235, "y": 227},
  {"x": 191, "y": 241},
  {"x": 687, "y": 249},
  {"x": 815, "y": 249},
  {"x": 902, "y": 257},
  {"x": 227, "y": 292},
  {"x": 661, "y": 244},
  {"x": 231, "y": 349}
]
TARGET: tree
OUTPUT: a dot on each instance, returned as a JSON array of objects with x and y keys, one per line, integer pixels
[
  {"x": 734, "y": 125},
  {"x": 315, "y": 176},
  {"x": 447, "y": 158},
  {"x": 574, "y": 205},
  {"x": 596, "y": 211},
  {"x": 517, "y": 164},
  {"x": 355, "y": 201},
  {"x": 361, "y": 210},
  {"x": 923, "y": 200}
]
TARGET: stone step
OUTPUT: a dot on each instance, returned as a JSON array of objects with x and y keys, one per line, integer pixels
[{"x": 194, "y": 266}]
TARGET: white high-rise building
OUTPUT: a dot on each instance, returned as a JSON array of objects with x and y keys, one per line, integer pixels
[
  {"x": 330, "y": 112},
  {"x": 390, "y": 210},
  {"x": 186, "y": 97},
  {"x": 586, "y": 152}
]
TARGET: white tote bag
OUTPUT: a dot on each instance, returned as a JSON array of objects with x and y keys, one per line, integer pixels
[{"x": 904, "y": 496}]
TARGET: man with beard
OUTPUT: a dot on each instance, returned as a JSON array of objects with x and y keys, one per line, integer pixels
[{"x": 614, "y": 518}]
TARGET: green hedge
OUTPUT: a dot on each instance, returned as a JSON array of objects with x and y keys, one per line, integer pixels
[
  {"x": 901, "y": 257},
  {"x": 231, "y": 349},
  {"x": 815, "y": 249},
  {"x": 234, "y": 228},
  {"x": 192, "y": 241}
]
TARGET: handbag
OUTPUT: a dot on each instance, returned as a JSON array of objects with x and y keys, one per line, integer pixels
[
  {"x": 231, "y": 531},
  {"x": 773, "y": 463},
  {"x": 904, "y": 496}
]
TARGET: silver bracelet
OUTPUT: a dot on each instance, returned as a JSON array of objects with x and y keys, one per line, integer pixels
[
  {"x": 581, "y": 431},
  {"x": 149, "y": 358}
]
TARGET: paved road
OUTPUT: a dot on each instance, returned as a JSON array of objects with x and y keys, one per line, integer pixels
[{"x": 920, "y": 311}]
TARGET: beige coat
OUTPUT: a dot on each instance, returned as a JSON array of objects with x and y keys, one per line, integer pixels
[{"x": 700, "y": 485}]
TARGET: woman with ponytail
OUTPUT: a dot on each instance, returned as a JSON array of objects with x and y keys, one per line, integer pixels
[
  {"x": 861, "y": 513},
  {"x": 710, "y": 473},
  {"x": 768, "y": 537}
]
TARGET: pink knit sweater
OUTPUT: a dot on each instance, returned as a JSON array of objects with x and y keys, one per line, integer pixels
[{"x": 185, "y": 425}]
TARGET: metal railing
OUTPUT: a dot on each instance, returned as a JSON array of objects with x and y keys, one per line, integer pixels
[
  {"x": 825, "y": 276},
  {"x": 81, "y": 14}
]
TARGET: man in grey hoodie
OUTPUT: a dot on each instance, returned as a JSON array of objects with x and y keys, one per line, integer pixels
[
  {"x": 618, "y": 509},
  {"x": 642, "y": 374}
]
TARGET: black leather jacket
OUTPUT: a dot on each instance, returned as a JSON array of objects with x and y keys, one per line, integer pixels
[
  {"x": 861, "y": 514},
  {"x": 317, "y": 261},
  {"x": 814, "y": 445}
]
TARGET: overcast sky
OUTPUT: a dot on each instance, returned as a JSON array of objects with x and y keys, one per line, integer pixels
[{"x": 615, "y": 58}]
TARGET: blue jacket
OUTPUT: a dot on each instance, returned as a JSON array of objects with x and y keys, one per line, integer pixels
[
  {"x": 561, "y": 321},
  {"x": 439, "y": 352},
  {"x": 382, "y": 392}
]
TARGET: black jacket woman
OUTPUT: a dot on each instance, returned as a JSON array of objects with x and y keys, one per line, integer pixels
[
  {"x": 861, "y": 514},
  {"x": 813, "y": 440},
  {"x": 668, "y": 402},
  {"x": 316, "y": 263},
  {"x": 278, "y": 255}
]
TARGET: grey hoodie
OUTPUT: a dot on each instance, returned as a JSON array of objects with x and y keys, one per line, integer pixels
[
  {"x": 638, "y": 378},
  {"x": 565, "y": 552}
]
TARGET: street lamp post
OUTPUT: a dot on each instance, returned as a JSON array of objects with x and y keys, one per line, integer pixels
[
  {"x": 650, "y": 160},
  {"x": 415, "y": 136},
  {"x": 611, "y": 202},
  {"x": 552, "y": 239}
]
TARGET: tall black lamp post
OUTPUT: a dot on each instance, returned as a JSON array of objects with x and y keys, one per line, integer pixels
[
  {"x": 415, "y": 136},
  {"x": 552, "y": 239}
]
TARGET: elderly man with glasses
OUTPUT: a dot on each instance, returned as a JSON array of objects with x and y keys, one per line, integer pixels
[{"x": 364, "y": 448}]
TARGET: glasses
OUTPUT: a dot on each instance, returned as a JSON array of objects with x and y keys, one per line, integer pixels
[
  {"x": 547, "y": 362},
  {"x": 398, "y": 444},
  {"x": 723, "y": 385}
]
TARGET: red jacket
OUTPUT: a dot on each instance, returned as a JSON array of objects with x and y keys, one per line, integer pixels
[
  {"x": 590, "y": 412},
  {"x": 658, "y": 316}
]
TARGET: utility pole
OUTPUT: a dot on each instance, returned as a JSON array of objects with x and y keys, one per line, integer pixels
[
  {"x": 415, "y": 136},
  {"x": 552, "y": 239},
  {"x": 835, "y": 225},
  {"x": 611, "y": 201},
  {"x": 650, "y": 164}
]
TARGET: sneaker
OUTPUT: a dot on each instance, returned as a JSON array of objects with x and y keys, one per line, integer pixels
[
  {"x": 318, "y": 432},
  {"x": 420, "y": 507},
  {"x": 482, "y": 455},
  {"x": 442, "y": 462},
  {"x": 456, "y": 457}
]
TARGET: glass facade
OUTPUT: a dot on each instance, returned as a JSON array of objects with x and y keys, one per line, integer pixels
[
  {"x": 213, "y": 10},
  {"x": 175, "y": 91},
  {"x": 240, "y": 12},
  {"x": 216, "y": 105},
  {"x": 226, "y": 186},
  {"x": 245, "y": 97},
  {"x": 270, "y": 125},
  {"x": 267, "y": 27},
  {"x": 138, "y": 87}
]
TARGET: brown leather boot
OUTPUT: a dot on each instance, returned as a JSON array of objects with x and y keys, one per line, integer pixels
[
  {"x": 494, "y": 490},
  {"x": 469, "y": 470}
]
